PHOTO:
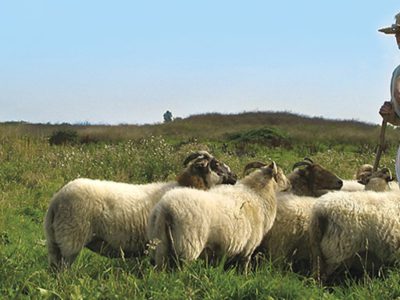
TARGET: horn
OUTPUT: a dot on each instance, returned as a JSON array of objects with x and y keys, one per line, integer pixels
[
  {"x": 387, "y": 171},
  {"x": 308, "y": 159},
  {"x": 274, "y": 167},
  {"x": 301, "y": 163},
  {"x": 195, "y": 155},
  {"x": 253, "y": 165}
]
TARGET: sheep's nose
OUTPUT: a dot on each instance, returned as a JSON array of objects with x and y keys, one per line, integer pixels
[{"x": 340, "y": 183}]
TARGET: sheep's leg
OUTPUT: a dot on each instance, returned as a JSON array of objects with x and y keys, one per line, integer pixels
[
  {"x": 57, "y": 260},
  {"x": 61, "y": 254},
  {"x": 318, "y": 228},
  {"x": 160, "y": 257},
  {"x": 54, "y": 255},
  {"x": 68, "y": 260},
  {"x": 244, "y": 263},
  {"x": 103, "y": 248},
  {"x": 71, "y": 237}
]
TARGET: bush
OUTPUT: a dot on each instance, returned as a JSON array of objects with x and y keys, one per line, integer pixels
[
  {"x": 64, "y": 137},
  {"x": 267, "y": 136}
]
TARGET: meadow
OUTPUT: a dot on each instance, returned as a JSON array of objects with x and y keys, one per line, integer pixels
[{"x": 32, "y": 170}]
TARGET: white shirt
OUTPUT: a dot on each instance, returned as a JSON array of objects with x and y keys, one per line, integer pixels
[{"x": 395, "y": 75}]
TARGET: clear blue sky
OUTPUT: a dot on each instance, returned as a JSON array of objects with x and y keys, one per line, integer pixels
[{"x": 129, "y": 61}]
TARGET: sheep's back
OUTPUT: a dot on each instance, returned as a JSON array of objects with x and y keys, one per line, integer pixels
[
  {"x": 221, "y": 219},
  {"x": 115, "y": 212},
  {"x": 358, "y": 221}
]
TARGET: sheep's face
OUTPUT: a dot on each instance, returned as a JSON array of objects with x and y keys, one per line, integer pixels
[
  {"x": 204, "y": 172},
  {"x": 266, "y": 177},
  {"x": 271, "y": 171},
  {"x": 322, "y": 179},
  {"x": 201, "y": 168},
  {"x": 223, "y": 170},
  {"x": 363, "y": 172},
  {"x": 319, "y": 179},
  {"x": 206, "y": 164}
]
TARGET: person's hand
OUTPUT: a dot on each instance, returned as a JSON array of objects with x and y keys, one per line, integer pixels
[{"x": 388, "y": 114}]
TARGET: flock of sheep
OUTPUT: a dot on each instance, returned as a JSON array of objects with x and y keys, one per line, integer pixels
[{"x": 301, "y": 218}]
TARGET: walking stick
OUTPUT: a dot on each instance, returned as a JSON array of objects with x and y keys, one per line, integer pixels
[{"x": 381, "y": 146}]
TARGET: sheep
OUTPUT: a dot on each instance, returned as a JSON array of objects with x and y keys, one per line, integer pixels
[
  {"x": 287, "y": 241},
  {"x": 110, "y": 218},
  {"x": 311, "y": 179},
  {"x": 350, "y": 185},
  {"x": 369, "y": 180},
  {"x": 288, "y": 237},
  {"x": 380, "y": 181},
  {"x": 359, "y": 182},
  {"x": 226, "y": 221},
  {"x": 359, "y": 230}
]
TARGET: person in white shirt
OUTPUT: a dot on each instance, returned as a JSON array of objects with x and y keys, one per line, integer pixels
[{"x": 390, "y": 110}]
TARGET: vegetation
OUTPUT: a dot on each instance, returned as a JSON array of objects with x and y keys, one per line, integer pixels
[
  {"x": 32, "y": 170},
  {"x": 63, "y": 137}
]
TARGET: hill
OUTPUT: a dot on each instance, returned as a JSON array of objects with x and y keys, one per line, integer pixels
[{"x": 221, "y": 127}]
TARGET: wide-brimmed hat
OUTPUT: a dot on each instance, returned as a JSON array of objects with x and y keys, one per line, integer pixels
[{"x": 395, "y": 28}]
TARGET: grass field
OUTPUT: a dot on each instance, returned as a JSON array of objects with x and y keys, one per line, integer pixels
[{"x": 32, "y": 170}]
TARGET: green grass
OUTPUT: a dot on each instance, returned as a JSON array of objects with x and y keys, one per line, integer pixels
[{"x": 32, "y": 170}]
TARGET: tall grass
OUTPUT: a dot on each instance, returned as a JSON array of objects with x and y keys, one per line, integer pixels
[{"x": 32, "y": 170}]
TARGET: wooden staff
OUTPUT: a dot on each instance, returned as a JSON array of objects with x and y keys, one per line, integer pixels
[{"x": 381, "y": 146}]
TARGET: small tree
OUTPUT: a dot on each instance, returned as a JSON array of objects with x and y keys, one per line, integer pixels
[{"x": 167, "y": 116}]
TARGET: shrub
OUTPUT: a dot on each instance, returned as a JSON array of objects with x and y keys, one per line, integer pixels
[
  {"x": 63, "y": 137},
  {"x": 267, "y": 136}
]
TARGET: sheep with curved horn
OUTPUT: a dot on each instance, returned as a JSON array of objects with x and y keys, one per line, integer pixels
[
  {"x": 110, "y": 218},
  {"x": 226, "y": 221}
]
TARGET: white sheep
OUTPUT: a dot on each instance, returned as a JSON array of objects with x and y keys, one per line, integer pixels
[
  {"x": 369, "y": 180},
  {"x": 359, "y": 230},
  {"x": 380, "y": 181},
  {"x": 363, "y": 172},
  {"x": 110, "y": 217},
  {"x": 288, "y": 238},
  {"x": 227, "y": 221},
  {"x": 308, "y": 178},
  {"x": 350, "y": 185}
]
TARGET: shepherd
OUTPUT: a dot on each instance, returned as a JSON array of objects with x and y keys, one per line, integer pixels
[{"x": 390, "y": 110}]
